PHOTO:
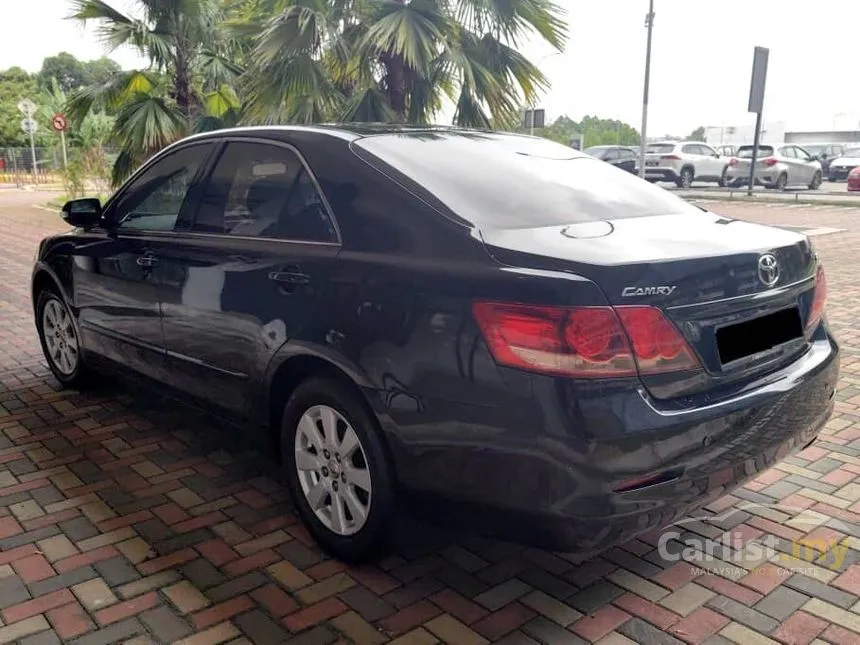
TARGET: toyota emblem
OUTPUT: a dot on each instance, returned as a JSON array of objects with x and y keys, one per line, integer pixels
[{"x": 768, "y": 270}]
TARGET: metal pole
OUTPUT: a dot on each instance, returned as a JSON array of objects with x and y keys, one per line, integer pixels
[
  {"x": 32, "y": 149},
  {"x": 756, "y": 141},
  {"x": 532, "y": 120},
  {"x": 65, "y": 157},
  {"x": 649, "y": 23}
]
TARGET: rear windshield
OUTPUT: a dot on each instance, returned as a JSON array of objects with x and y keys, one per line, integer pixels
[
  {"x": 745, "y": 152},
  {"x": 509, "y": 182},
  {"x": 659, "y": 148}
]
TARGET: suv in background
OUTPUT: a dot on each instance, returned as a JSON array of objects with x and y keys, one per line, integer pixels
[
  {"x": 840, "y": 167},
  {"x": 727, "y": 151},
  {"x": 683, "y": 162}
]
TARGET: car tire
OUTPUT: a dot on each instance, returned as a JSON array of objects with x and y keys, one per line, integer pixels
[
  {"x": 781, "y": 182},
  {"x": 332, "y": 491},
  {"x": 60, "y": 341},
  {"x": 723, "y": 182},
  {"x": 816, "y": 181},
  {"x": 685, "y": 179}
]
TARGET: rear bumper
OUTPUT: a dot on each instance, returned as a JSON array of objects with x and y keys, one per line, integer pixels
[
  {"x": 854, "y": 183},
  {"x": 545, "y": 471},
  {"x": 763, "y": 177},
  {"x": 661, "y": 174}
]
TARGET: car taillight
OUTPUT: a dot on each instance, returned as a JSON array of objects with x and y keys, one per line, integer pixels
[
  {"x": 670, "y": 158},
  {"x": 733, "y": 161},
  {"x": 819, "y": 299},
  {"x": 583, "y": 342},
  {"x": 769, "y": 161},
  {"x": 855, "y": 172}
]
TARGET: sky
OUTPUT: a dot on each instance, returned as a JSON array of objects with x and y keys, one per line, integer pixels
[{"x": 700, "y": 67}]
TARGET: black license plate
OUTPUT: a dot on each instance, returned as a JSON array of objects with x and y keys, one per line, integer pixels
[
  {"x": 650, "y": 163},
  {"x": 761, "y": 334}
]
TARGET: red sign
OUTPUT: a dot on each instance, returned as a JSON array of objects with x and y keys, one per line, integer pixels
[{"x": 58, "y": 122}]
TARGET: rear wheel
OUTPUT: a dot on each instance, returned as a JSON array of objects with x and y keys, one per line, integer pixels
[
  {"x": 337, "y": 469},
  {"x": 685, "y": 179},
  {"x": 723, "y": 182},
  {"x": 816, "y": 181},
  {"x": 781, "y": 182},
  {"x": 59, "y": 339}
]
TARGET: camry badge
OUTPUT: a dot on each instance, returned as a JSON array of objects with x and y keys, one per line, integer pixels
[
  {"x": 768, "y": 270},
  {"x": 628, "y": 292}
]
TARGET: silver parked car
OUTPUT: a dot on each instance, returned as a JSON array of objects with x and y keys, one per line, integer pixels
[{"x": 776, "y": 167}]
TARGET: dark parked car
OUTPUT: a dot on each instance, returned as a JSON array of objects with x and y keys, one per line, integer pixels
[
  {"x": 496, "y": 319},
  {"x": 619, "y": 156}
]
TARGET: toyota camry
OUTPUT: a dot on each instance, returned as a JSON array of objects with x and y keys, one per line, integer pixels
[{"x": 495, "y": 319}]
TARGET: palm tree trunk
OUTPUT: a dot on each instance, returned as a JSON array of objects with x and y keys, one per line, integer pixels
[
  {"x": 182, "y": 80},
  {"x": 396, "y": 77}
]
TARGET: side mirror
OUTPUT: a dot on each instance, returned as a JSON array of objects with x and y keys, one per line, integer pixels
[
  {"x": 84, "y": 213},
  {"x": 716, "y": 155}
]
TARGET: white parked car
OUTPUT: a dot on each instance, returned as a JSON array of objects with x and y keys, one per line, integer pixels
[
  {"x": 842, "y": 166},
  {"x": 776, "y": 167},
  {"x": 684, "y": 162}
]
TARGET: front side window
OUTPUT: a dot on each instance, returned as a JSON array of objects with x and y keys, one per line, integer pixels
[
  {"x": 154, "y": 200},
  {"x": 263, "y": 190}
]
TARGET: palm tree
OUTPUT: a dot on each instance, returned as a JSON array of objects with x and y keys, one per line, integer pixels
[
  {"x": 396, "y": 60},
  {"x": 187, "y": 87}
]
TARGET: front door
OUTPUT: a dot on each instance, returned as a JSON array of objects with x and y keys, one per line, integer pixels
[
  {"x": 250, "y": 273},
  {"x": 115, "y": 289}
]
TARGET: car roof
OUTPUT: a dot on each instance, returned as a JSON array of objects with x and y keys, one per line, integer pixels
[{"x": 347, "y": 131}]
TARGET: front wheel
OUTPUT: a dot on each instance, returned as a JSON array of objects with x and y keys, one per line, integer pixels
[
  {"x": 337, "y": 469},
  {"x": 816, "y": 181},
  {"x": 59, "y": 339},
  {"x": 723, "y": 182},
  {"x": 781, "y": 182},
  {"x": 685, "y": 180}
]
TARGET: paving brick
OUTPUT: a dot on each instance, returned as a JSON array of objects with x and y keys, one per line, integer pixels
[
  {"x": 144, "y": 585},
  {"x": 17, "y": 631},
  {"x": 126, "y": 609},
  {"x": 781, "y": 603},
  {"x": 12, "y": 591},
  {"x": 800, "y": 629},
  {"x": 28, "y": 608},
  {"x": 186, "y": 597},
  {"x": 62, "y": 581},
  {"x": 450, "y": 630},
  {"x": 699, "y": 625},
  {"x": 410, "y": 617},
  {"x": 70, "y": 621},
  {"x": 94, "y": 594},
  {"x": 237, "y": 586},
  {"x": 222, "y": 612},
  {"x": 643, "y": 633},
  {"x": 111, "y": 634},
  {"x": 687, "y": 598},
  {"x": 314, "y": 614},
  {"x": 164, "y": 624},
  {"x": 744, "y": 615},
  {"x": 261, "y": 629},
  {"x": 366, "y": 603}
]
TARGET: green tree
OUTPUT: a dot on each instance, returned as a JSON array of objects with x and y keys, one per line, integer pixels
[
  {"x": 697, "y": 135},
  {"x": 395, "y": 60},
  {"x": 69, "y": 72},
  {"x": 15, "y": 85},
  {"x": 594, "y": 130},
  {"x": 189, "y": 81},
  {"x": 99, "y": 71}
]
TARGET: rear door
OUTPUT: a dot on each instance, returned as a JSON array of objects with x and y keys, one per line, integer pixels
[
  {"x": 807, "y": 165},
  {"x": 248, "y": 274},
  {"x": 711, "y": 161}
]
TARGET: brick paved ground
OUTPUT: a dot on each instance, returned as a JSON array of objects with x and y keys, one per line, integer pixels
[{"x": 123, "y": 519}]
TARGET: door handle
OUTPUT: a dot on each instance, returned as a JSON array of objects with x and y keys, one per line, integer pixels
[
  {"x": 147, "y": 261},
  {"x": 289, "y": 278}
]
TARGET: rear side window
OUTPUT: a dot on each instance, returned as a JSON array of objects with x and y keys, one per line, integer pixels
[
  {"x": 659, "y": 148},
  {"x": 263, "y": 190},
  {"x": 510, "y": 182},
  {"x": 745, "y": 152}
]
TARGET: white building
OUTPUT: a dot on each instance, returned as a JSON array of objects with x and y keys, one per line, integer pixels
[{"x": 743, "y": 135}]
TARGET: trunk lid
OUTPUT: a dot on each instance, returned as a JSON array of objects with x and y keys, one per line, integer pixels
[{"x": 702, "y": 270}]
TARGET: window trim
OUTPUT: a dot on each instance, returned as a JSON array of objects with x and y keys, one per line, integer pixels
[
  {"x": 116, "y": 199},
  {"x": 226, "y": 141}
]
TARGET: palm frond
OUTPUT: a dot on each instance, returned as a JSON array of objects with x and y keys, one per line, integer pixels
[
  {"x": 368, "y": 105},
  {"x": 411, "y": 31}
]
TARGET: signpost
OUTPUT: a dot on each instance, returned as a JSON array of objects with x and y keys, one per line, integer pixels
[
  {"x": 59, "y": 123},
  {"x": 29, "y": 125},
  {"x": 756, "y": 104},
  {"x": 535, "y": 118}
]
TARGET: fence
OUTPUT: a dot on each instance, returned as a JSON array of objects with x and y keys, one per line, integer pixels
[{"x": 17, "y": 166}]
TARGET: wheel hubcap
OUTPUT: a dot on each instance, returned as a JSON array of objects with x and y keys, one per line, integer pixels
[
  {"x": 332, "y": 469},
  {"x": 60, "y": 337}
]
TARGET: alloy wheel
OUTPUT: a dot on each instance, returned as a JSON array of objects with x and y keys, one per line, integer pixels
[
  {"x": 333, "y": 470},
  {"x": 60, "y": 337}
]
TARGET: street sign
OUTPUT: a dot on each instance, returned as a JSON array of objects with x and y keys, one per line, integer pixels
[
  {"x": 29, "y": 125},
  {"x": 26, "y": 107},
  {"x": 59, "y": 123},
  {"x": 757, "y": 81}
]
